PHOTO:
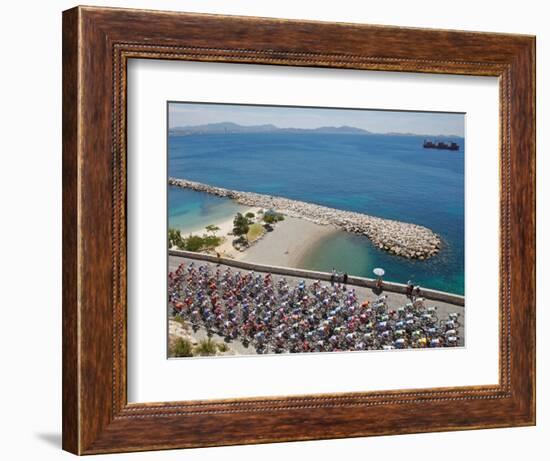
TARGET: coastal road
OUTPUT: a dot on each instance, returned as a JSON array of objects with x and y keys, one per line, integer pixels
[{"x": 394, "y": 300}]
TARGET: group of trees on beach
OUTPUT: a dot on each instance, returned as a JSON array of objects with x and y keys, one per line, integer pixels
[
  {"x": 272, "y": 218},
  {"x": 242, "y": 223},
  {"x": 245, "y": 228},
  {"x": 202, "y": 242}
]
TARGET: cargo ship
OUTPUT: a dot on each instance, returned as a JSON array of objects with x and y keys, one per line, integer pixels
[{"x": 440, "y": 145}]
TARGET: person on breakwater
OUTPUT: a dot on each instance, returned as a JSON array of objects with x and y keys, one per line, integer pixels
[
  {"x": 379, "y": 285},
  {"x": 410, "y": 288}
]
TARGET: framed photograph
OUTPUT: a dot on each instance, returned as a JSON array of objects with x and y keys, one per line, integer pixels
[{"x": 280, "y": 230}]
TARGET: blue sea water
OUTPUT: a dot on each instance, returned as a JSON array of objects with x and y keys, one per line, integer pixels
[{"x": 387, "y": 176}]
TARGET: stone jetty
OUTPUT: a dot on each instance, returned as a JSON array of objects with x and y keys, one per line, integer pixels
[{"x": 402, "y": 239}]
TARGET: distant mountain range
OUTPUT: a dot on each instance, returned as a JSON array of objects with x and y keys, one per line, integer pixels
[{"x": 230, "y": 127}]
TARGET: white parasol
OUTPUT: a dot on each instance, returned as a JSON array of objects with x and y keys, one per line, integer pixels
[{"x": 379, "y": 271}]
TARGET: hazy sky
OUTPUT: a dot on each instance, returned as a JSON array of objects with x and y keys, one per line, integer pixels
[{"x": 432, "y": 123}]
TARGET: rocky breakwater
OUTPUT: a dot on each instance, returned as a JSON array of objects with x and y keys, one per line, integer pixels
[{"x": 403, "y": 239}]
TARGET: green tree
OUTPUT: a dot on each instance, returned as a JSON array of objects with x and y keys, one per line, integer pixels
[
  {"x": 212, "y": 229},
  {"x": 193, "y": 243},
  {"x": 175, "y": 239},
  {"x": 273, "y": 217},
  {"x": 210, "y": 241},
  {"x": 240, "y": 225}
]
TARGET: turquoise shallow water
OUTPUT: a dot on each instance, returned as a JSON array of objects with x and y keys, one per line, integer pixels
[
  {"x": 192, "y": 211},
  {"x": 387, "y": 176},
  {"x": 356, "y": 255}
]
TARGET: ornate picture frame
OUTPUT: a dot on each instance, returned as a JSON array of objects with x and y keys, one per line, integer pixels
[{"x": 97, "y": 44}]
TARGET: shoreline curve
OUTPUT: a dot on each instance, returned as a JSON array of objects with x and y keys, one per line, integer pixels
[{"x": 407, "y": 240}]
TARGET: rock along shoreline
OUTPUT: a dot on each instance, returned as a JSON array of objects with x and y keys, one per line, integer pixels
[{"x": 399, "y": 238}]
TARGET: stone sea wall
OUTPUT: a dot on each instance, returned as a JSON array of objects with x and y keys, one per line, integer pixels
[
  {"x": 403, "y": 239},
  {"x": 393, "y": 287}
]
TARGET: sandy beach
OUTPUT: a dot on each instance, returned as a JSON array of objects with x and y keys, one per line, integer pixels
[{"x": 287, "y": 244}]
